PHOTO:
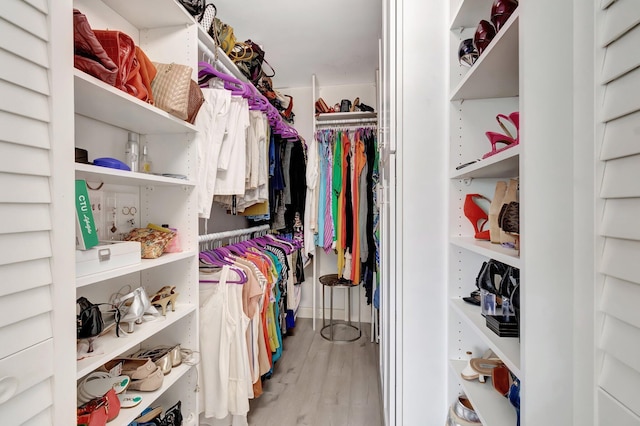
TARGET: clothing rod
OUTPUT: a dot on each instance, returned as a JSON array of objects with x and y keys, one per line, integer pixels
[{"x": 229, "y": 234}]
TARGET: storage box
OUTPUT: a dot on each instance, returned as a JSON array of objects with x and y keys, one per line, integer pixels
[
  {"x": 106, "y": 256},
  {"x": 86, "y": 232}
]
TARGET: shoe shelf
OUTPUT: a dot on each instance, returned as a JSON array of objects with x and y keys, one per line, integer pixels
[
  {"x": 107, "y": 175},
  {"x": 467, "y": 14},
  {"x": 488, "y": 249},
  {"x": 507, "y": 348},
  {"x": 102, "y": 102},
  {"x": 495, "y": 73},
  {"x": 356, "y": 115},
  {"x": 113, "y": 346},
  {"x": 501, "y": 165},
  {"x": 144, "y": 264},
  {"x": 127, "y": 415},
  {"x": 493, "y": 409}
]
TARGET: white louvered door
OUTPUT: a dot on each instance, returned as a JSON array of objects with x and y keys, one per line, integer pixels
[
  {"x": 36, "y": 339},
  {"x": 618, "y": 112}
]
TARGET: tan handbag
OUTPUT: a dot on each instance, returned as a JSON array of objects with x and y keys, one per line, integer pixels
[{"x": 170, "y": 88}]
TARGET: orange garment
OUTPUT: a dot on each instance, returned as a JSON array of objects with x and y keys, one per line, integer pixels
[
  {"x": 342, "y": 200},
  {"x": 358, "y": 160}
]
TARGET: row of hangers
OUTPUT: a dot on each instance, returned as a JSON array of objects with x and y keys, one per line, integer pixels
[
  {"x": 257, "y": 101},
  {"x": 221, "y": 256}
]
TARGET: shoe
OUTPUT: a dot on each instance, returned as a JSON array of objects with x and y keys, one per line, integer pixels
[
  {"x": 514, "y": 397},
  {"x": 464, "y": 410},
  {"x": 510, "y": 195},
  {"x": 163, "y": 297},
  {"x": 485, "y": 32},
  {"x": 150, "y": 383},
  {"x": 173, "y": 416},
  {"x": 365, "y": 107},
  {"x": 135, "y": 368},
  {"x": 129, "y": 401},
  {"x": 508, "y": 139},
  {"x": 355, "y": 106},
  {"x": 494, "y": 211},
  {"x": 469, "y": 373},
  {"x": 467, "y": 53},
  {"x": 454, "y": 420},
  {"x": 137, "y": 305},
  {"x": 501, "y": 379},
  {"x": 478, "y": 217},
  {"x": 501, "y": 10},
  {"x": 485, "y": 366},
  {"x": 164, "y": 357},
  {"x": 321, "y": 106},
  {"x": 148, "y": 415},
  {"x": 98, "y": 383}
]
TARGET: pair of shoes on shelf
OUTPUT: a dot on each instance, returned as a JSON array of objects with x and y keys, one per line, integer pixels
[
  {"x": 488, "y": 366},
  {"x": 142, "y": 373},
  {"x": 98, "y": 383},
  {"x": 152, "y": 416},
  {"x": 163, "y": 297},
  {"x": 461, "y": 413},
  {"x": 135, "y": 305},
  {"x": 165, "y": 357},
  {"x": 486, "y": 31},
  {"x": 504, "y": 195},
  {"x": 322, "y": 107},
  {"x": 507, "y": 138}
]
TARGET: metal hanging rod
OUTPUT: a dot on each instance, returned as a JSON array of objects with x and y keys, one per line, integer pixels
[
  {"x": 354, "y": 121},
  {"x": 230, "y": 234}
]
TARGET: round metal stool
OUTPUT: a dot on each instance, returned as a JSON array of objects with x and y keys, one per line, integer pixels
[{"x": 351, "y": 332}]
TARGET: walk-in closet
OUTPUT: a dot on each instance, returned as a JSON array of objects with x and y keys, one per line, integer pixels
[{"x": 374, "y": 212}]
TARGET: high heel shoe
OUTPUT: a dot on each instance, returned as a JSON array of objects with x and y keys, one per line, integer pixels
[
  {"x": 163, "y": 297},
  {"x": 477, "y": 216},
  {"x": 138, "y": 306},
  {"x": 508, "y": 139}
]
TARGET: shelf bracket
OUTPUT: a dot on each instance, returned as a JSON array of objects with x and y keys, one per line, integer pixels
[{"x": 467, "y": 181}]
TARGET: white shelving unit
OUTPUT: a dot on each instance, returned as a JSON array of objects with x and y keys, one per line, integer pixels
[
  {"x": 477, "y": 95},
  {"x": 103, "y": 116}
]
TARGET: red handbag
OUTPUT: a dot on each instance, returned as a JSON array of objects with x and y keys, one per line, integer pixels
[{"x": 99, "y": 411}]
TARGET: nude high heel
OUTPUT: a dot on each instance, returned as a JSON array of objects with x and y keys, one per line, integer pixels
[
  {"x": 494, "y": 211},
  {"x": 163, "y": 297}
]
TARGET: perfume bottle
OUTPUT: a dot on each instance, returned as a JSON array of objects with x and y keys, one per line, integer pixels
[
  {"x": 146, "y": 165},
  {"x": 132, "y": 151}
]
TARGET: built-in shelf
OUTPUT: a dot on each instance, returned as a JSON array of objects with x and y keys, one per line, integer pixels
[
  {"x": 501, "y": 165},
  {"x": 492, "y": 408},
  {"x": 146, "y": 14},
  {"x": 356, "y": 115},
  {"x": 224, "y": 61},
  {"x": 144, "y": 264},
  {"x": 110, "y": 346},
  {"x": 127, "y": 415},
  {"x": 495, "y": 74},
  {"x": 107, "y": 175},
  {"x": 488, "y": 249},
  {"x": 100, "y": 101},
  {"x": 507, "y": 348},
  {"x": 470, "y": 12}
]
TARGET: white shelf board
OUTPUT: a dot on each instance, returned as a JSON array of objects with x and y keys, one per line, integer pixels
[
  {"x": 470, "y": 13},
  {"x": 145, "y": 14},
  {"x": 488, "y": 249},
  {"x": 492, "y": 408},
  {"x": 144, "y": 264},
  {"x": 100, "y": 101},
  {"x": 123, "y": 177},
  {"x": 356, "y": 115},
  {"x": 113, "y": 346},
  {"x": 495, "y": 73},
  {"x": 127, "y": 415},
  {"x": 507, "y": 348},
  {"x": 504, "y": 164}
]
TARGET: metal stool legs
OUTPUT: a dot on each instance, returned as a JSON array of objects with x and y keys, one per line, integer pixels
[{"x": 332, "y": 281}]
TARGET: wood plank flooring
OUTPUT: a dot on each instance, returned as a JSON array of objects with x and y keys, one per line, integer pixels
[{"x": 321, "y": 383}]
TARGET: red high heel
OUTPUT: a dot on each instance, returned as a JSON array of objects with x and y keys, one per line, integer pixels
[
  {"x": 477, "y": 216},
  {"x": 508, "y": 139}
]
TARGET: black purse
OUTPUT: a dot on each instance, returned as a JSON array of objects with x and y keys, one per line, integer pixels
[{"x": 89, "y": 320}]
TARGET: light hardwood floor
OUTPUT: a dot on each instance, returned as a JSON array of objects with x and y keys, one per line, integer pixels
[{"x": 318, "y": 383}]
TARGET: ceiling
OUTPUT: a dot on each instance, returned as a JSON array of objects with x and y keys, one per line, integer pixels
[{"x": 335, "y": 39}]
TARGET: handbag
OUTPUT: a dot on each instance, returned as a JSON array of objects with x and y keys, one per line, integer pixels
[
  {"x": 99, "y": 411},
  {"x": 89, "y": 54},
  {"x": 89, "y": 319},
  {"x": 147, "y": 73},
  {"x": 122, "y": 50},
  {"x": 196, "y": 99},
  {"x": 251, "y": 62},
  {"x": 170, "y": 88},
  {"x": 194, "y": 7},
  {"x": 223, "y": 33}
]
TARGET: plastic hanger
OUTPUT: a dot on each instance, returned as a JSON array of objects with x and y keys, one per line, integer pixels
[{"x": 207, "y": 71}]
